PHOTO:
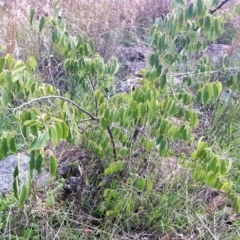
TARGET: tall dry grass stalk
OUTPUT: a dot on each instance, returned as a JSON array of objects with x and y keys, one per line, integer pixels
[
  {"x": 113, "y": 22},
  {"x": 108, "y": 22}
]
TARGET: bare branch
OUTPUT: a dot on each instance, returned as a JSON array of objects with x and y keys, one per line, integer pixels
[
  {"x": 54, "y": 97},
  {"x": 218, "y": 7},
  {"x": 113, "y": 143}
]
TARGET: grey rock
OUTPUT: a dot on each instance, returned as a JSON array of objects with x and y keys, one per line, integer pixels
[
  {"x": 130, "y": 83},
  {"x": 7, "y": 167},
  {"x": 131, "y": 59},
  {"x": 216, "y": 52}
]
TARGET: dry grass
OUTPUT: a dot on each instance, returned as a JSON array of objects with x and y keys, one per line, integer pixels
[{"x": 109, "y": 22}]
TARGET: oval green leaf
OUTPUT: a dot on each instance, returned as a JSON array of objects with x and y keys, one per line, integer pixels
[
  {"x": 38, "y": 163},
  {"x": 54, "y": 135},
  {"x": 23, "y": 196},
  {"x": 207, "y": 23},
  {"x": 2, "y": 63},
  {"x": 12, "y": 145},
  {"x": 4, "y": 147},
  {"x": 53, "y": 165},
  {"x": 41, "y": 23},
  {"x": 16, "y": 182}
]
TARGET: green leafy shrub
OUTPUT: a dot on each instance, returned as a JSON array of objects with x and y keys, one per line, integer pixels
[
  {"x": 154, "y": 117},
  {"x": 228, "y": 35}
]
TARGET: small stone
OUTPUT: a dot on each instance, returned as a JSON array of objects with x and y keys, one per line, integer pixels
[{"x": 7, "y": 167}]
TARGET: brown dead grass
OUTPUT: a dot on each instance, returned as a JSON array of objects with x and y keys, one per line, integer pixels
[{"x": 108, "y": 22}]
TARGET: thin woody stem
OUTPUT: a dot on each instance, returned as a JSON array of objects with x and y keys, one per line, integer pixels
[{"x": 54, "y": 97}]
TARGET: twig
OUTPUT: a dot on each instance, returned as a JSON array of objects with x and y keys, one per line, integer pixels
[
  {"x": 195, "y": 74},
  {"x": 54, "y": 97},
  {"x": 136, "y": 131},
  {"x": 218, "y": 7},
  {"x": 113, "y": 143}
]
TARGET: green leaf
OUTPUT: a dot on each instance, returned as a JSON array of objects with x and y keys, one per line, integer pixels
[
  {"x": 158, "y": 71},
  {"x": 194, "y": 120},
  {"x": 34, "y": 144},
  {"x": 223, "y": 167},
  {"x": 24, "y": 131},
  {"x": 162, "y": 44},
  {"x": 57, "y": 10},
  {"x": 143, "y": 110},
  {"x": 207, "y": 23},
  {"x": 86, "y": 51},
  {"x": 54, "y": 135},
  {"x": 65, "y": 129},
  {"x": 149, "y": 184},
  {"x": 59, "y": 130},
  {"x": 91, "y": 45},
  {"x": 31, "y": 12},
  {"x": 4, "y": 148},
  {"x": 104, "y": 123},
  {"x": 38, "y": 163},
  {"x": 5, "y": 97},
  {"x": 217, "y": 183},
  {"x": 201, "y": 145},
  {"x": 31, "y": 123},
  {"x": 216, "y": 25},
  {"x": 152, "y": 60},
  {"x": 23, "y": 196},
  {"x": 205, "y": 96},
  {"x": 180, "y": 20},
  {"x": 52, "y": 165},
  {"x": 41, "y": 23},
  {"x": 229, "y": 165},
  {"x": 8, "y": 80},
  {"x": 171, "y": 108},
  {"x": 210, "y": 90},
  {"x": 43, "y": 140},
  {"x": 163, "y": 146},
  {"x": 236, "y": 203},
  {"x": 2, "y": 63},
  {"x": 12, "y": 145},
  {"x": 31, "y": 63},
  {"x": 163, "y": 81},
  {"x": 16, "y": 182},
  {"x": 199, "y": 7},
  {"x": 139, "y": 183},
  {"x": 18, "y": 67},
  {"x": 152, "y": 109},
  {"x": 40, "y": 141},
  {"x": 69, "y": 138},
  {"x": 168, "y": 59},
  {"x": 227, "y": 186},
  {"x": 114, "y": 167},
  {"x": 10, "y": 61},
  {"x": 216, "y": 88},
  {"x": 219, "y": 86},
  {"x": 190, "y": 11},
  {"x": 149, "y": 145},
  {"x": 199, "y": 97},
  {"x": 211, "y": 179},
  {"x": 55, "y": 35},
  {"x": 75, "y": 66},
  {"x": 213, "y": 164}
]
